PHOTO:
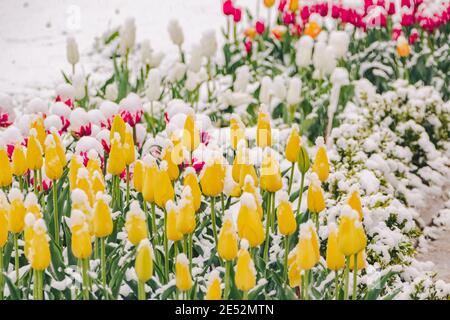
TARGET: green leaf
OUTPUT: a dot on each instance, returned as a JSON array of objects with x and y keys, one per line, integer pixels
[
  {"x": 377, "y": 287},
  {"x": 13, "y": 290}
]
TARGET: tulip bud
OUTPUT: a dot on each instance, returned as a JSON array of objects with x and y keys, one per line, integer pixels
[
  {"x": 403, "y": 49},
  {"x": 237, "y": 131},
  {"x": 286, "y": 219},
  {"x": 138, "y": 175},
  {"x": 213, "y": 292},
  {"x": 150, "y": 173},
  {"x": 60, "y": 150},
  {"x": 294, "y": 272},
  {"x": 53, "y": 166},
  {"x": 73, "y": 55},
  {"x": 294, "y": 92},
  {"x": 186, "y": 216},
  {"x": 263, "y": 130},
  {"x": 171, "y": 225},
  {"x": 250, "y": 226},
  {"x": 191, "y": 135},
  {"x": 34, "y": 152},
  {"x": 175, "y": 33},
  {"x": 164, "y": 190},
  {"x": 83, "y": 183},
  {"x": 98, "y": 183},
  {"x": 39, "y": 253},
  {"x": 19, "y": 164},
  {"x": 127, "y": 36},
  {"x": 183, "y": 277},
  {"x": 102, "y": 220},
  {"x": 354, "y": 201},
  {"x": 190, "y": 179},
  {"x": 303, "y": 160},
  {"x": 128, "y": 148},
  {"x": 307, "y": 250},
  {"x": 136, "y": 224},
  {"x": 245, "y": 274},
  {"x": 118, "y": 126},
  {"x": 269, "y": 3},
  {"x": 28, "y": 233},
  {"x": 270, "y": 173},
  {"x": 144, "y": 261},
  {"x": 293, "y": 145},
  {"x": 116, "y": 163},
  {"x": 293, "y": 5},
  {"x": 316, "y": 201},
  {"x": 361, "y": 261},
  {"x": 227, "y": 245},
  {"x": 6, "y": 171},
  {"x": 38, "y": 126},
  {"x": 75, "y": 164},
  {"x": 4, "y": 212},
  {"x": 312, "y": 29},
  {"x": 351, "y": 236},
  {"x": 32, "y": 205},
  {"x": 81, "y": 238},
  {"x": 321, "y": 165},
  {"x": 153, "y": 85},
  {"x": 335, "y": 259},
  {"x": 16, "y": 212},
  {"x": 169, "y": 156},
  {"x": 304, "y": 47},
  {"x": 212, "y": 177}
]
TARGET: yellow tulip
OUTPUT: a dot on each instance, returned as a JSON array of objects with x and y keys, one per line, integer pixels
[
  {"x": 237, "y": 131},
  {"x": 212, "y": 178},
  {"x": 173, "y": 169},
  {"x": 403, "y": 48},
  {"x": 128, "y": 148},
  {"x": 227, "y": 246},
  {"x": 38, "y": 126},
  {"x": 16, "y": 212},
  {"x": 97, "y": 183},
  {"x": 84, "y": 184},
  {"x": 316, "y": 201},
  {"x": 335, "y": 259},
  {"x": 32, "y": 205},
  {"x": 293, "y": 5},
  {"x": 34, "y": 152},
  {"x": 186, "y": 215},
  {"x": 53, "y": 166},
  {"x": 93, "y": 165},
  {"x": 247, "y": 170},
  {"x": 351, "y": 236},
  {"x": 285, "y": 215},
  {"x": 171, "y": 225},
  {"x": 245, "y": 275},
  {"x": 183, "y": 279},
  {"x": 28, "y": 233},
  {"x": 81, "y": 238},
  {"x": 136, "y": 224},
  {"x": 361, "y": 261},
  {"x": 118, "y": 126},
  {"x": 270, "y": 179},
  {"x": 6, "y": 171},
  {"x": 19, "y": 163},
  {"x": 4, "y": 212},
  {"x": 190, "y": 179},
  {"x": 321, "y": 165},
  {"x": 138, "y": 175},
  {"x": 294, "y": 272},
  {"x": 312, "y": 29},
  {"x": 150, "y": 173},
  {"x": 102, "y": 220},
  {"x": 116, "y": 161},
  {"x": 144, "y": 261},
  {"x": 269, "y": 3},
  {"x": 60, "y": 148},
  {"x": 39, "y": 253},
  {"x": 164, "y": 190},
  {"x": 250, "y": 226},
  {"x": 263, "y": 130},
  {"x": 293, "y": 145},
  {"x": 307, "y": 255},
  {"x": 75, "y": 164},
  {"x": 191, "y": 135},
  {"x": 354, "y": 201},
  {"x": 214, "y": 292}
]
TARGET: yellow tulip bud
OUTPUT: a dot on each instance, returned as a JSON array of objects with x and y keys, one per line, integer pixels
[
  {"x": 183, "y": 277},
  {"x": 361, "y": 261},
  {"x": 191, "y": 135},
  {"x": 118, "y": 126},
  {"x": 354, "y": 201},
  {"x": 173, "y": 169},
  {"x": 269, "y": 3},
  {"x": 171, "y": 224},
  {"x": 144, "y": 261},
  {"x": 150, "y": 173},
  {"x": 32, "y": 206},
  {"x": 294, "y": 272},
  {"x": 39, "y": 253},
  {"x": 307, "y": 250},
  {"x": 97, "y": 183},
  {"x": 4, "y": 211},
  {"x": 138, "y": 175},
  {"x": 247, "y": 170},
  {"x": 16, "y": 212},
  {"x": 212, "y": 178},
  {"x": 6, "y": 171},
  {"x": 227, "y": 245},
  {"x": 303, "y": 160},
  {"x": 19, "y": 163},
  {"x": 237, "y": 131},
  {"x": 53, "y": 166},
  {"x": 164, "y": 190},
  {"x": 214, "y": 292},
  {"x": 335, "y": 259},
  {"x": 190, "y": 179},
  {"x": 93, "y": 165},
  {"x": 293, "y": 145},
  {"x": 28, "y": 233},
  {"x": 34, "y": 152},
  {"x": 249, "y": 223},
  {"x": 270, "y": 173},
  {"x": 75, "y": 164},
  {"x": 321, "y": 165},
  {"x": 316, "y": 201},
  {"x": 245, "y": 275},
  {"x": 81, "y": 238},
  {"x": 263, "y": 130},
  {"x": 116, "y": 162},
  {"x": 128, "y": 148},
  {"x": 60, "y": 148},
  {"x": 286, "y": 219},
  {"x": 186, "y": 216},
  {"x": 403, "y": 48},
  {"x": 38, "y": 125},
  {"x": 102, "y": 220},
  {"x": 84, "y": 184},
  {"x": 136, "y": 224},
  {"x": 312, "y": 29},
  {"x": 351, "y": 236},
  {"x": 293, "y": 5}
]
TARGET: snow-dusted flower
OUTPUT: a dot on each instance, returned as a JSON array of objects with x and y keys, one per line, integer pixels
[
  {"x": 208, "y": 43},
  {"x": 265, "y": 92},
  {"x": 339, "y": 40},
  {"x": 304, "y": 51},
  {"x": 279, "y": 87},
  {"x": 127, "y": 35},
  {"x": 294, "y": 91}
]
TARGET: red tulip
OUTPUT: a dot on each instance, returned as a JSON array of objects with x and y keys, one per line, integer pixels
[{"x": 260, "y": 27}]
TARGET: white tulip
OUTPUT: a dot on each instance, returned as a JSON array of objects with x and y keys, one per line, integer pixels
[
  {"x": 73, "y": 55},
  {"x": 195, "y": 59},
  {"x": 175, "y": 32},
  {"x": 304, "y": 51},
  {"x": 265, "y": 91},
  {"x": 146, "y": 52},
  {"x": 208, "y": 43},
  {"x": 339, "y": 40},
  {"x": 324, "y": 59},
  {"x": 177, "y": 72},
  {"x": 192, "y": 80},
  {"x": 279, "y": 88},
  {"x": 65, "y": 91},
  {"x": 79, "y": 82},
  {"x": 111, "y": 92},
  {"x": 294, "y": 91},
  {"x": 153, "y": 85},
  {"x": 242, "y": 78},
  {"x": 127, "y": 35}
]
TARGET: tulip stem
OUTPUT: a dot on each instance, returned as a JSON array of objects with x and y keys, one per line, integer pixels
[
  {"x": 35, "y": 182},
  {"x": 291, "y": 176},
  {"x": 103, "y": 263},
  {"x": 213, "y": 219},
  {"x": 128, "y": 184},
  {"x": 272, "y": 216},
  {"x": 355, "y": 275},
  {"x": 222, "y": 200},
  {"x": 141, "y": 290},
  {"x": 286, "y": 252},
  {"x": 227, "y": 279},
  {"x": 55, "y": 211},
  {"x": 190, "y": 251},
  {"x": 16, "y": 260},
  {"x": 336, "y": 284},
  {"x": 21, "y": 183},
  {"x": 300, "y": 193},
  {"x": 347, "y": 269},
  {"x": 85, "y": 266},
  {"x": 166, "y": 249},
  {"x": 317, "y": 221},
  {"x": 306, "y": 284},
  {"x": 245, "y": 295},
  {"x": 268, "y": 209},
  {"x": 155, "y": 232},
  {"x": 1, "y": 273}
]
